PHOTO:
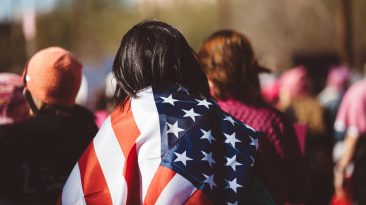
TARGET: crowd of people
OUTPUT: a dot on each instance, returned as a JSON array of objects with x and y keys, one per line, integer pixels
[{"x": 180, "y": 127}]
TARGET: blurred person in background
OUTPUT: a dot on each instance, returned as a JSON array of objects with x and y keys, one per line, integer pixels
[
  {"x": 351, "y": 123},
  {"x": 297, "y": 101},
  {"x": 232, "y": 71},
  {"x": 13, "y": 106},
  {"x": 82, "y": 96},
  {"x": 110, "y": 88},
  {"x": 105, "y": 104},
  {"x": 270, "y": 88},
  {"x": 38, "y": 154},
  {"x": 166, "y": 142},
  {"x": 331, "y": 96}
]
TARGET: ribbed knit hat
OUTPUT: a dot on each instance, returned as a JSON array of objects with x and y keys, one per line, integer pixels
[
  {"x": 296, "y": 82},
  {"x": 53, "y": 75}
]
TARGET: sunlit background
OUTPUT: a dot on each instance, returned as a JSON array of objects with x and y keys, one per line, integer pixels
[{"x": 283, "y": 32}]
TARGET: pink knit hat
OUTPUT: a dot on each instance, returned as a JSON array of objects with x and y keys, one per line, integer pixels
[
  {"x": 53, "y": 75},
  {"x": 338, "y": 77},
  {"x": 296, "y": 81}
]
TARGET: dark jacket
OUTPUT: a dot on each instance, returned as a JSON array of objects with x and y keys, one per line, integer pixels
[{"x": 37, "y": 155}]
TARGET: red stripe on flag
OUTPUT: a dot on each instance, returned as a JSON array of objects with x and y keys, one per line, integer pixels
[
  {"x": 125, "y": 128},
  {"x": 161, "y": 178},
  {"x": 94, "y": 185},
  {"x": 132, "y": 175},
  {"x": 198, "y": 197},
  {"x": 126, "y": 131}
]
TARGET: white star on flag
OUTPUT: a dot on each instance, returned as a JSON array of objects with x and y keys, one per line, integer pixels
[
  {"x": 232, "y": 162},
  {"x": 231, "y": 139},
  {"x": 207, "y": 135},
  {"x": 169, "y": 100},
  {"x": 209, "y": 180},
  {"x": 203, "y": 102},
  {"x": 182, "y": 158},
  {"x": 190, "y": 113},
  {"x": 230, "y": 119},
  {"x": 254, "y": 142},
  {"x": 235, "y": 203},
  {"x": 208, "y": 158},
  {"x": 174, "y": 129},
  {"x": 233, "y": 185}
]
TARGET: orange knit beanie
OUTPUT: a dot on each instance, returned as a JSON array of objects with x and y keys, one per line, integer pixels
[{"x": 53, "y": 75}]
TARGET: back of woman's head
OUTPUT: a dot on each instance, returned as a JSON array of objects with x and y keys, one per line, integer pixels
[
  {"x": 155, "y": 54},
  {"x": 229, "y": 62}
]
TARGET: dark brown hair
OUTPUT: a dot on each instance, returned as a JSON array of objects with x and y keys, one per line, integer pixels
[
  {"x": 229, "y": 63},
  {"x": 153, "y": 53}
]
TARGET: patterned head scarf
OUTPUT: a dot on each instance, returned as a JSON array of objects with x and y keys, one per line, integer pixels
[{"x": 11, "y": 96}]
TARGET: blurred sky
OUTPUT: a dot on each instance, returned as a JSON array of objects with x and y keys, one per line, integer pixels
[{"x": 14, "y": 8}]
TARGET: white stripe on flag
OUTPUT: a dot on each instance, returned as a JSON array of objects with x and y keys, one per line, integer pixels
[
  {"x": 111, "y": 160},
  {"x": 72, "y": 192},
  {"x": 177, "y": 191},
  {"x": 148, "y": 144}
]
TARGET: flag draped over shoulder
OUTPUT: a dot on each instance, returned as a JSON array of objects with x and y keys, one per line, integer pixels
[{"x": 165, "y": 147}]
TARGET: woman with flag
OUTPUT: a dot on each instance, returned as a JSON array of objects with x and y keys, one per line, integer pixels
[{"x": 167, "y": 142}]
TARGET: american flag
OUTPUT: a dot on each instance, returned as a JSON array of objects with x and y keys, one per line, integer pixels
[{"x": 165, "y": 147}]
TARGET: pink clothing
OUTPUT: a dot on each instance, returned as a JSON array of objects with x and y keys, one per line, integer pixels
[
  {"x": 301, "y": 136},
  {"x": 279, "y": 164},
  {"x": 100, "y": 116},
  {"x": 271, "y": 91},
  {"x": 351, "y": 117},
  {"x": 260, "y": 118}
]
